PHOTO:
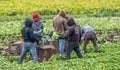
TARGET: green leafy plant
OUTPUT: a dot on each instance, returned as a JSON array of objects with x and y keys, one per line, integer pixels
[{"x": 57, "y": 35}]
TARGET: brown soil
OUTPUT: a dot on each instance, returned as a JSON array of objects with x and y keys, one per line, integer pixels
[{"x": 112, "y": 36}]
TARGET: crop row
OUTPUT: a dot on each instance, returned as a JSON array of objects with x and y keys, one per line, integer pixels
[
  {"x": 45, "y": 7},
  {"x": 103, "y": 37},
  {"x": 13, "y": 28},
  {"x": 10, "y": 30}
]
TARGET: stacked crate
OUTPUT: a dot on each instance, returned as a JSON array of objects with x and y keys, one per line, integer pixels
[
  {"x": 55, "y": 44},
  {"x": 45, "y": 52},
  {"x": 14, "y": 49}
]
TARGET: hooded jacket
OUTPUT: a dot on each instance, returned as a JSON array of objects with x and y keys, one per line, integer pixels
[
  {"x": 27, "y": 32},
  {"x": 74, "y": 32}
]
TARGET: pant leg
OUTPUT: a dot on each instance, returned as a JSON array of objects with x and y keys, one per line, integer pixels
[
  {"x": 66, "y": 45},
  {"x": 77, "y": 51},
  {"x": 69, "y": 50},
  {"x": 23, "y": 54},
  {"x": 61, "y": 46},
  {"x": 94, "y": 43},
  {"x": 86, "y": 41},
  {"x": 33, "y": 52}
]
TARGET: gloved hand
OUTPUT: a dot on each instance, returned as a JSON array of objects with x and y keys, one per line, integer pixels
[
  {"x": 40, "y": 31},
  {"x": 82, "y": 39},
  {"x": 35, "y": 32},
  {"x": 39, "y": 43},
  {"x": 48, "y": 37}
]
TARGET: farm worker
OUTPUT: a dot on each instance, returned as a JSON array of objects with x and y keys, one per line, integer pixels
[
  {"x": 73, "y": 35},
  {"x": 37, "y": 26},
  {"x": 29, "y": 39},
  {"x": 89, "y": 34},
  {"x": 59, "y": 23}
]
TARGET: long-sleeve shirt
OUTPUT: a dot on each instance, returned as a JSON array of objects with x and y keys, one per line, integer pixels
[
  {"x": 87, "y": 29},
  {"x": 37, "y": 26}
]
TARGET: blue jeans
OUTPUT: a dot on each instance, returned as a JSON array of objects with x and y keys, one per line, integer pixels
[
  {"x": 61, "y": 46},
  {"x": 28, "y": 46}
]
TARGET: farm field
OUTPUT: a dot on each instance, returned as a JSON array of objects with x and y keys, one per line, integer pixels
[
  {"x": 102, "y": 15},
  {"x": 106, "y": 59}
]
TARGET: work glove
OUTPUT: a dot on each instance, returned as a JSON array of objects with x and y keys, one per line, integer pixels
[
  {"x": 48, "y": 37},
  {"x": 82, "y": 39},
  {"x": 35, "y": 32}
]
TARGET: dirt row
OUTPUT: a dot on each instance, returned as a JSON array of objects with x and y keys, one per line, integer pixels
[
  {"x": 103, "y": 37},
  {"x": 108, "y": 36}
]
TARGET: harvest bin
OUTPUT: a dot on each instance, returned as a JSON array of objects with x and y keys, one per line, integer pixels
[
  {"x": 14, "y": 48},
  {"x": 54, "y": 43},
  {"x": 45, "y": 52}
]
